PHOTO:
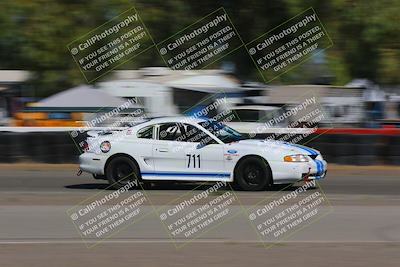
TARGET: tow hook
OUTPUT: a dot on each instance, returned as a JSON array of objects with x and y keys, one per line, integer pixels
[
  {"x": 307, "y": 175},
  {"x": 79, "y": 172}
]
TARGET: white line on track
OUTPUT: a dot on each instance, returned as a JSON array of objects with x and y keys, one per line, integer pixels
[{"x": 161, "y": 241}]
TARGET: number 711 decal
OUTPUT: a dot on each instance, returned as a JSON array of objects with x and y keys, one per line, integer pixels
[{"x": 192, "y": 161}]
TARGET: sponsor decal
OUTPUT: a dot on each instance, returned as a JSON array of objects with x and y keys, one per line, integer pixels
[{"x": 231, "y": 152}]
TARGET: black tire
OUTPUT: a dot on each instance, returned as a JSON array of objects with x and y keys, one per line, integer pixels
[
  {"x": 120, "y": 171},
  {"x": 253, "y": 174}
]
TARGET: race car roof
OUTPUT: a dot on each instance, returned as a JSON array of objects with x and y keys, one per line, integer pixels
[{"x": 176, "y": 119}]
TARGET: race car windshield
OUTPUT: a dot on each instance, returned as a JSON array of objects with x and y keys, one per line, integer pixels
[{"x": 221, "y": 131}]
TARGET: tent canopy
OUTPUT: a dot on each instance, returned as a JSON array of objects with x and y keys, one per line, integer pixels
[
  {"x": 81, "y": 96},
  {"x": 206, "y": 83}
]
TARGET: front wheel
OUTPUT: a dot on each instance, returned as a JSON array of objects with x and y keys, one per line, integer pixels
[
  {"x": 120, "y": 171},
  {"x": 253, "y": 174}
]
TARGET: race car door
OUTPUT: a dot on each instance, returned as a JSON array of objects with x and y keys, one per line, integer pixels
[{"x": 179, "y": 155}]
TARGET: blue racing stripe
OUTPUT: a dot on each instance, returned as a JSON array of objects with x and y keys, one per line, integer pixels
[
  {"x": 312, "y": 151},
  {"x": 185, "y": 174},
  {"x": 320, "y": 167},
  {"x": 304, "y": 148}
]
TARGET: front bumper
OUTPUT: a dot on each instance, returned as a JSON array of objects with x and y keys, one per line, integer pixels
[
  {"x": 319, "y": 172},
  {"x": 288, "y": 172},
  {"x": 307, "y": 176}
]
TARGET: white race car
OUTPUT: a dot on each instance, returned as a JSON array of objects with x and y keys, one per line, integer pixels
[{"x": 188, "y": 149}]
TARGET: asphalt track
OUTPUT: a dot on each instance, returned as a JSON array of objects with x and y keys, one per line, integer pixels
[{"x": 359, "y": 227}]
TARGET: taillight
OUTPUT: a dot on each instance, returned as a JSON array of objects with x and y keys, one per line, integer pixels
[{"x": 84, "y": 146}]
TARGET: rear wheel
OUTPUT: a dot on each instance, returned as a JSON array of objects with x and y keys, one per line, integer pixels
[
  {"x": 253, "y": 174},
  {"x": 120, "y": 171}
]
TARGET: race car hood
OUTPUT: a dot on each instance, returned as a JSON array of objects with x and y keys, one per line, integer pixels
[{"x": 272, "y": 145}]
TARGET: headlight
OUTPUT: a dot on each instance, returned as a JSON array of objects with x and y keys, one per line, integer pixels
[
  {"x": 296, "y": 158},
  {"x": 105, "y": 146}
]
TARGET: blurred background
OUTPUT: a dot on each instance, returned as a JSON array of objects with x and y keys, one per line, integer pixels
[{"x": 356, "y": 81}]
